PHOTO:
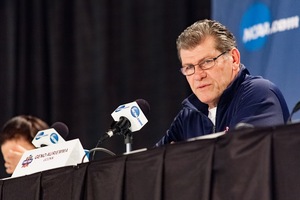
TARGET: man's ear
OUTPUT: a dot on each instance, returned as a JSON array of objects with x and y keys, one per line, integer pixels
[{"x": 236, "y": 58}]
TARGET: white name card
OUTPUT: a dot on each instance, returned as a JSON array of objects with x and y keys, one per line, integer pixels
[{"x": 50, "y": 157}]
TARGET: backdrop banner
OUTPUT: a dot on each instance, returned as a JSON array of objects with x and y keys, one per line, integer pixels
[{"x": 267, "y": 32}]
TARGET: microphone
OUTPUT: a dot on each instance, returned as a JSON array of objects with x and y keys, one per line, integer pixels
[
  {"x": 51, "y": 136},
  {"x": 61, "y": 128},
  {"x": 128, "y": 118}
]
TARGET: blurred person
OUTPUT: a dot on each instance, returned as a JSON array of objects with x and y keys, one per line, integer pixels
[
  {"x": 16, "y": 137},
  {"x": 224, "y": 93}
]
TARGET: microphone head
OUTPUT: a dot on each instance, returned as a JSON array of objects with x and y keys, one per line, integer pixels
[
  {"x": 61, "y": 128},
  {"x": 144, "y": 105},
  {"x": 135, "y": 112}
]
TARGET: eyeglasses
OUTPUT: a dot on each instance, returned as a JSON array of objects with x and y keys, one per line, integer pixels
[{"x": 206, "y": 64}]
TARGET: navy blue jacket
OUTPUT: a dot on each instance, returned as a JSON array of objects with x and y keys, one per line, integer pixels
[{"x": 248, "y": 99}]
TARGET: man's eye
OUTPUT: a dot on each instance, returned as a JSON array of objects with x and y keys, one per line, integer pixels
[
  {"x": 189, "y": 67},
  {"x": 208, "y": 62}
]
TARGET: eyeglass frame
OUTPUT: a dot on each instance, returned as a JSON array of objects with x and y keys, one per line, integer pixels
[{"x": 200, "y": 64}]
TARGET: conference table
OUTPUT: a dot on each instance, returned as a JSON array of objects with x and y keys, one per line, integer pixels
[{"x": 243, "y": 164}]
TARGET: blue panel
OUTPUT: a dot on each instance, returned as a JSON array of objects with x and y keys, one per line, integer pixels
[{"x": 268, "y": 36}]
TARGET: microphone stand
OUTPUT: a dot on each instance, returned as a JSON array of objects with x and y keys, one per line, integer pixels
[{"x": 128, "y": 140}]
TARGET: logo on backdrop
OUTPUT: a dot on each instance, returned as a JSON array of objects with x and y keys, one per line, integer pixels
[{"x": 257, "y": 25}]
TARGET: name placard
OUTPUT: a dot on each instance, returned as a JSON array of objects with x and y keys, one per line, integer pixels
[{"x": 50, "y": 157}]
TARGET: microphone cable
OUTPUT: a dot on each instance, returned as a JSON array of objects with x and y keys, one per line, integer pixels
[{"x": 98, "y": 149}]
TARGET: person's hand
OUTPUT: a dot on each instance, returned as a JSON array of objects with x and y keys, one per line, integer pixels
[{"x": 13, "y": 158}]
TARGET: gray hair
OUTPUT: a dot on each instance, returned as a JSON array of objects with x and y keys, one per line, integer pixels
[{"x": 193, "y": 35}]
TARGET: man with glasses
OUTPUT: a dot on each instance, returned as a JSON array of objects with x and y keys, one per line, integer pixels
[{"x": 224, "y": 93}]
